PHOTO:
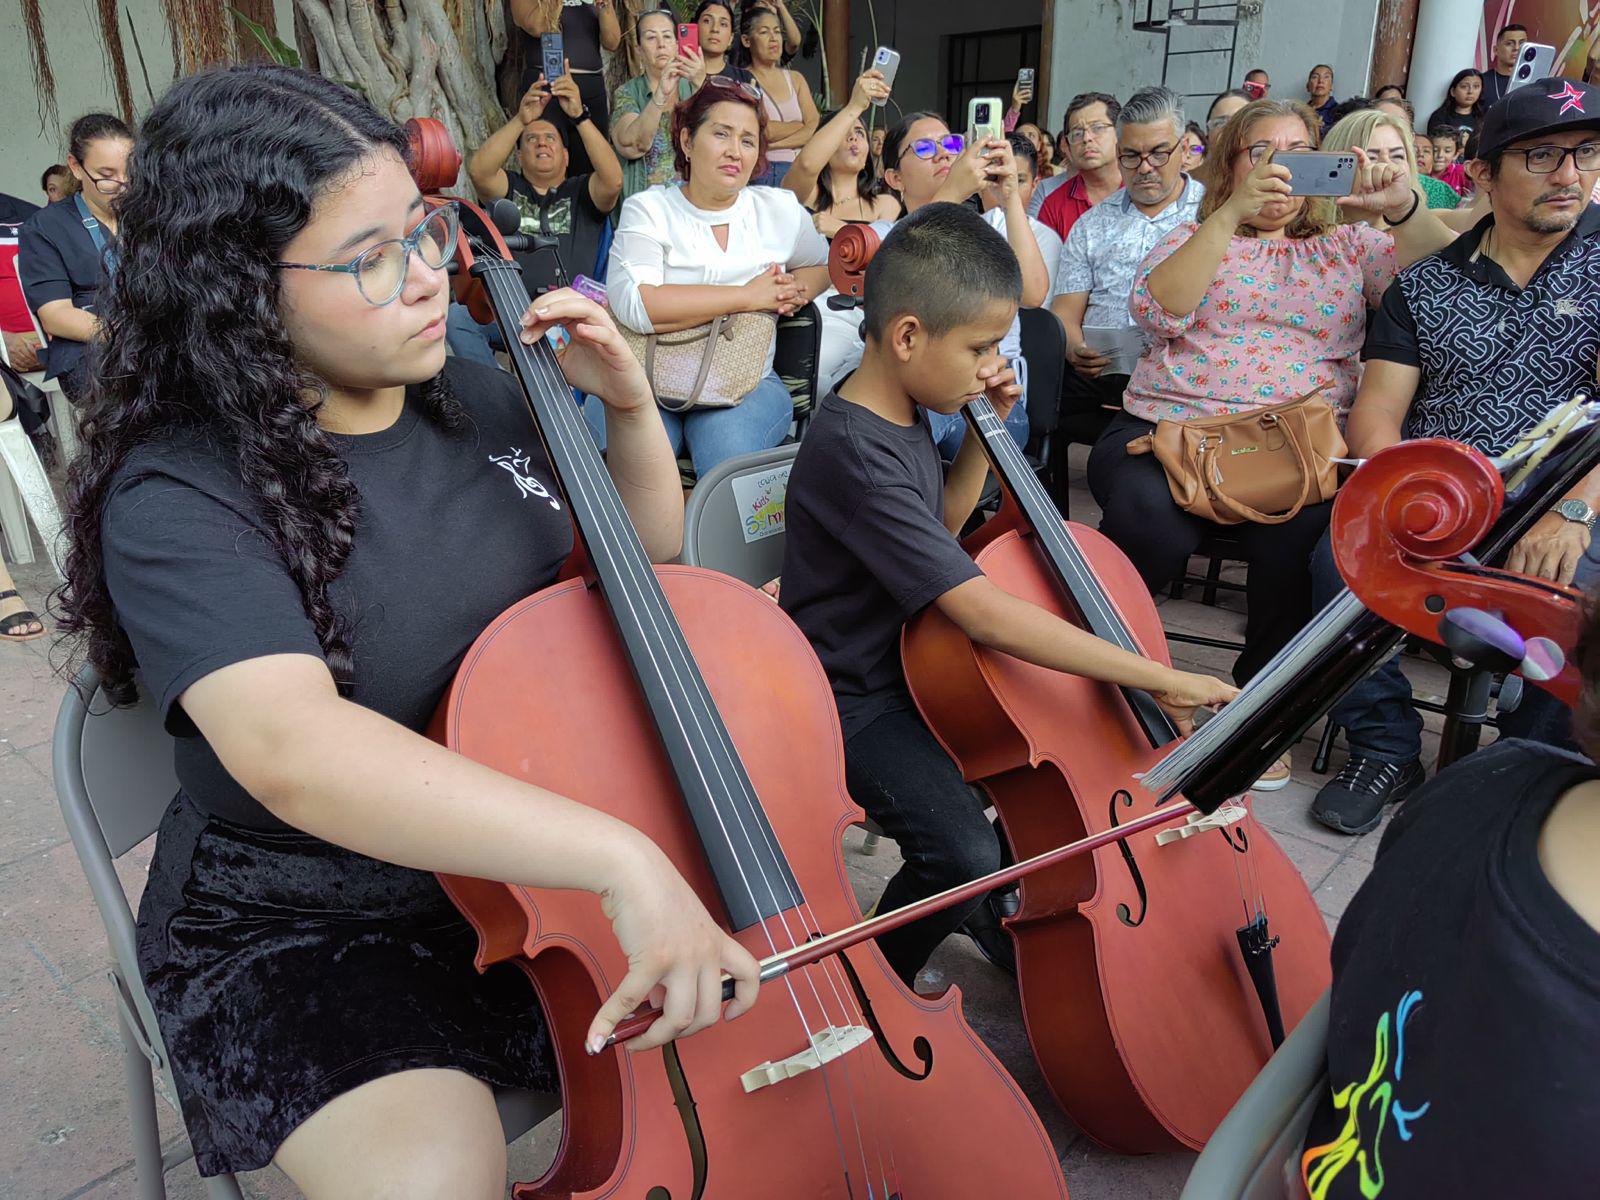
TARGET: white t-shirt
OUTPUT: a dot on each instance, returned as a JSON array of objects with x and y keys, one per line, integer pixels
[
  {"x": 662, "y": 239},
  {"x": 1049, "y": 250}
]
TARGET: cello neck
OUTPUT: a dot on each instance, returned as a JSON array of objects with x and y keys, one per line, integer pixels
[
  {"x": 752, "y": 876},
  {"x": 1067, "y": 562}
]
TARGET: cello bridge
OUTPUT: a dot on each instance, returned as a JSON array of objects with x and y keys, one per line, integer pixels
[
  {"x": 1226, "y": 814},
  {"x": 826, "y": 1045}
]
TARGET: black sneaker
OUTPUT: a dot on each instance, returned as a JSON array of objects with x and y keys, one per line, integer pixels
[
  {"x": 984, "y": 927},
  {"x": 1352, "y": 802}
]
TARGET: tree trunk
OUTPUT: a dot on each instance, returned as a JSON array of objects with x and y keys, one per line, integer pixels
[{"x": 416, "y": 58}]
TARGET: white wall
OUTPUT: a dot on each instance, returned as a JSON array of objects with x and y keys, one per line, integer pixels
[
  {"x": 83, "y": 80},
  {"x": 1097, "y": 49}
]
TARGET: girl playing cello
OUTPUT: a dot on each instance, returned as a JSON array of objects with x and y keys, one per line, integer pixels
[{"x": 293, "y": 515}]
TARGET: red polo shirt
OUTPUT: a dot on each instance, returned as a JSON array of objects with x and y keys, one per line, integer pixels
[{"x": 1063, "y": 207}]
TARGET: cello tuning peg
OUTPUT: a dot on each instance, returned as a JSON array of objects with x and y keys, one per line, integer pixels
[
  {"x": 1481, "y": 639},
  {"x": 1543, "y": 661}
]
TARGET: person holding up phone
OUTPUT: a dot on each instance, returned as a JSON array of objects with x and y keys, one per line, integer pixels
[
  {"x": 715, "y": 20},
  {"x": 643, "y": 106},
  {"x": 580, "y": 29},
  {"x": 1259, "y": 301},
  {"x": 834, "y": 175}
]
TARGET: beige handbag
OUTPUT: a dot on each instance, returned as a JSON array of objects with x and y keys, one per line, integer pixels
[
  {"x": 1263, "y": 466},
  {"x": 710, "y": 366}
]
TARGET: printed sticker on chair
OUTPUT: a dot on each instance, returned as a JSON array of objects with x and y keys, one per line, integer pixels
[{"x": 759, "y": 498}]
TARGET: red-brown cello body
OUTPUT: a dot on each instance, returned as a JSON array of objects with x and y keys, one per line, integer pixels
[
  {"x": 684, "y": 702},
  {"x": 1139, "y": 1004}
]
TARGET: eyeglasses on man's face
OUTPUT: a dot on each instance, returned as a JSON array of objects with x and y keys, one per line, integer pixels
[
  {"x": 1095, "y": 129},
  {"x": 380, "y": 271},
  {"x": 1547, "y": 160},
  {"x": 1131, "y": 160}
]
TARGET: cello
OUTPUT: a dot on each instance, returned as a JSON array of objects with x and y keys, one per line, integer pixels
[
  {"x": 1152, "y": 985},
  {"x": 686, "y": 703}
]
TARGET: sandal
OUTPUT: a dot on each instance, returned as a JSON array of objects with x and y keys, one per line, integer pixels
[{"x": 19, "y": 620}]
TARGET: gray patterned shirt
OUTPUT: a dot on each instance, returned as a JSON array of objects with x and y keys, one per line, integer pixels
[{"x": 1106, "y": 245}]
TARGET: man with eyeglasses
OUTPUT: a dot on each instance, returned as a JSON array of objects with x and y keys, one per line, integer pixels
[
  {"x": 1477, "y": 343},
  {"x": 1108, "y": 243},
  {"x": 1092, "y": 152}
]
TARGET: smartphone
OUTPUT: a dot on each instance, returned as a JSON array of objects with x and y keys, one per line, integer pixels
[
  {"x": 688, "y": 38},
  {"x": 1535, "y": 62},
  {"x": 1253, "y": 88},
  {"x": 886, "y": 62},
  {"x": 554, "y": 53},
  {"x": 1025, "y": 80},
  {"x": 985, "y": 119},
  {"x": 1318, "y": 172}
]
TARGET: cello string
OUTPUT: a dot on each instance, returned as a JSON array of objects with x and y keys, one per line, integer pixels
[{"x": 580, "y": 450}]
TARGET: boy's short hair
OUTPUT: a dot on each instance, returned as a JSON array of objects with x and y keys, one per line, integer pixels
[
  {"x": 1022, "y": 149},
  {"x": 939, "y": 265},
  {"x": 1444, "y": 133}
]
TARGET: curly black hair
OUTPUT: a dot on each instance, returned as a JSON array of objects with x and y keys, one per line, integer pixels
[{"x": 193, "y": 344}]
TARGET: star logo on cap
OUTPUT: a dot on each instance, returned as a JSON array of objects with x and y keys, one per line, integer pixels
[{"x": 1572, "y": 99}]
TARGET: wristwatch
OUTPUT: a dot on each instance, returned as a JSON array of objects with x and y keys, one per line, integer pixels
[
  {"x": 1579, "y": 511},
  {"x": 583, "y": 115}
]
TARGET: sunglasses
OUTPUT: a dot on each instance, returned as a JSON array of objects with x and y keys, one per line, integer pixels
[
  {"x": 926, "y": 148},
  {"x": 737, "y": 87}
]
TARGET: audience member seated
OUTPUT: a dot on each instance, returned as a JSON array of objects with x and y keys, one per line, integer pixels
[
  {"x": 67, "y": 247},
  {"x": 785, "y": 94},
  {"x": 879, "y": 132},
  {"x": 1476, "y": 344},
  {"x": 716, "y": 21},
  {"x": 641, "y": 111},
  {"x": 1092, "y": 153},
  {"x": 684, "y": 256},
  {"x": 925, "y": 162},
  {"x": 572, "y": 209},
  {"x": 1466, "y": 972},
  {"x": 1462, "y": 107},
  {"x": 1260, "y": 303},
  {"x": 57, "y": 183},
  {"x": 1389, "y": 91},
  {"x": 1400, "y": 109},
  {"x": 16, "y": 322},
  {"x": 1047, "y": 158},
  {"x": 1319, "y": 95},
  {"x": 1384, "y": 140},
  {"x": 1108, "y": 243},
  {"x": 1507, "y": 49},
  {"x": 833, "y": 174},
  {"x": 18, "y": 622},
  {"x": 587, "y": 27},
  {"x": 1223, "y": 107},
  {"x": 1258, "y": 84},
  {"x": 1446, "y": 141}
]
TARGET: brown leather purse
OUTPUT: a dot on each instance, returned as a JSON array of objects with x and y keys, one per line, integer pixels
[{"x": 1263, "y": 466}]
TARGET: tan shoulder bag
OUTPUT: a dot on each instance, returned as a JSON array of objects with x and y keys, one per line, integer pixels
[
  {"x": 1263, "y": 466},
  {"x": 715, "y": 365}
]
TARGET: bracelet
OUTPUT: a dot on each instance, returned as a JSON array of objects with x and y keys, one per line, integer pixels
[
  {"x": 1416, "y": 202},
  {"x": 583, "y": 115}
]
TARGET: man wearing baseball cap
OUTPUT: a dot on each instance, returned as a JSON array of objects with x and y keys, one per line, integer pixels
[{"x": 1476, "y": 343}]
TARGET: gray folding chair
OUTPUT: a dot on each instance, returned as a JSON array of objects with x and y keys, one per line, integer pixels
[
  {"x": 1255, "y": 1152},
  {"x": 114, "y": 779},
  {"x": 715, "y": 531}
]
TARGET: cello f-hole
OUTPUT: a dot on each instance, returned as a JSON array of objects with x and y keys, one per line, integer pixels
[
  {"x": 921, "y": 1048},
  {"x": 693, "y": 1135},
  {"x": 1124, "y": 913}
]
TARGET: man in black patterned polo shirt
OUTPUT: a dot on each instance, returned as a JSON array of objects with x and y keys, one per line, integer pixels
[{"x": 1476, "y": 343}]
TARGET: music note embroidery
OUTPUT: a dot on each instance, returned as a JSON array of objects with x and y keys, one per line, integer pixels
[{"x": 518, "y": 464}]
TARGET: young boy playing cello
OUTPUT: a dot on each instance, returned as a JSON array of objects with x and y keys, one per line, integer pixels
[{"x": 871, "y": 542}]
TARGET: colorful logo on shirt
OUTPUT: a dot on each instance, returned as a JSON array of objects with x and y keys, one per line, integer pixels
[
  {"x": 519, "y": 466},
  {"x": 1368, "y": 1106},
  {"x": 1573, "y": 99}
]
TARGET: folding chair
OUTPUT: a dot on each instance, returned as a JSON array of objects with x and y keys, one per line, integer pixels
[
  {"x": 63, "y": 417},
  {"x": 1044, "y": 346},
  {"x": 25, "y": 494},
  {"x": 797, "y": 357},
  {"x": 1255, "y": 1152},
  {"x": 114, "y": 779}
]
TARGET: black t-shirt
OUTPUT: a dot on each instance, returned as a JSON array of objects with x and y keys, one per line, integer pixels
[
  {"x": 865, "y": 549},
  {"x": 1495, "y": 85},
  {"x": 58, "y": 260},
  {"x": 1465, "y": 1022},
  {"x": 1465, "y": 124},
  {"x": 14, "y": 210},
  {"x": 566, "y": 212},
  {"x": 455, "y": 527},
  {"x": 580, "y": 42}
]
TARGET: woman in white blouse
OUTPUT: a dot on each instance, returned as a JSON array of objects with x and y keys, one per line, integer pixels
[{"x": 683, "y": 256}]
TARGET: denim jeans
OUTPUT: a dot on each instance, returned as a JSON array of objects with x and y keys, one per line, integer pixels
[
  {"x": 906, "y": 783},
  {"x": 1377, "y": 715},
  {"x": 467, "y": 339},
  {"x": 758, "y": 422}
]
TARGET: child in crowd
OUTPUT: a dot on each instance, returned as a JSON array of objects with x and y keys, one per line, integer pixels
[
  {"x": 1446, "y": 152},
  {"x": 872, "y": 521}
]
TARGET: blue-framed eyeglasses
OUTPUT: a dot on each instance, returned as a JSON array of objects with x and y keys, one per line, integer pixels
[{"x": 380, "y": 271}]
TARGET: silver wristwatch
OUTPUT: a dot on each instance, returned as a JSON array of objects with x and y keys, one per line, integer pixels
[{"x": 1579, "y": 511}]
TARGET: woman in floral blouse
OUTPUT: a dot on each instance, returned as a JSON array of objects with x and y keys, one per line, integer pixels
[{"x": 1261, "y": 302}]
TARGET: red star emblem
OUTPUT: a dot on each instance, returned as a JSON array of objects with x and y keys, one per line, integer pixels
[{"x": 1572, "y": 99}]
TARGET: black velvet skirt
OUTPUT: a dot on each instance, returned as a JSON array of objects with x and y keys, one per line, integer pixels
[{"x": 285, "y": 971}]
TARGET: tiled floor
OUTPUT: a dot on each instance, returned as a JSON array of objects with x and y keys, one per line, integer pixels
[{"x": 62, "y": 1121}]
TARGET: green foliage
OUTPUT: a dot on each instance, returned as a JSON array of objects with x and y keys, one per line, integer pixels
[{"x": 277, "y": 49}]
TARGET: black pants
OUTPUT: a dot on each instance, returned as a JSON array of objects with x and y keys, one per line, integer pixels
[
  {"x": 1158, "y": 536},
  {"x": 908, "y": 785}
]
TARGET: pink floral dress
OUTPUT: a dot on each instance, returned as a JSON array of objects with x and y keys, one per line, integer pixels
[{"x": 1282, "y": 317}]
